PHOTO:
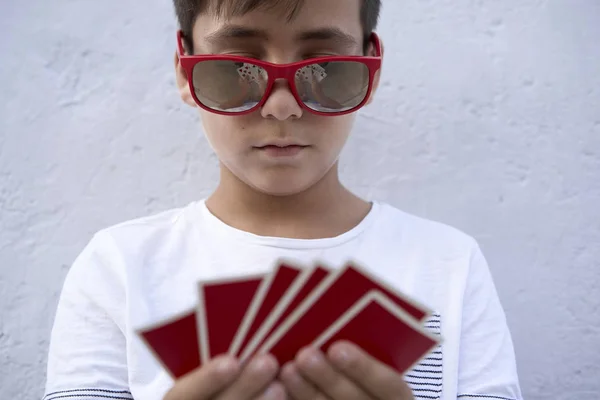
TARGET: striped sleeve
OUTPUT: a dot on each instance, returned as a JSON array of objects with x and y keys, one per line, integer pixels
[
  {"x": 89, "y": 394},
  {"x": 425, "y": 378},
  {"x": 482, "y": 397}
]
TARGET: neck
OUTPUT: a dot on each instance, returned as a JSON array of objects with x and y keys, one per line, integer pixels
[{"x": 325, "y": 209}]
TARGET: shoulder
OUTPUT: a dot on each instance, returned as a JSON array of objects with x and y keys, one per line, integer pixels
[
  {"x": 115, "y": 250},
  {"x": 136, "y": 231},
  {"x": 422, "y": 233},
  {"x": 151, "y": 233}
]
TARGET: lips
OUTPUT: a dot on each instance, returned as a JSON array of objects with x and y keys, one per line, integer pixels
[{"x": 282, "y": 150}]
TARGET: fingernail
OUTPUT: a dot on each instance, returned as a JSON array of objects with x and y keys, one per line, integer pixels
[
  {"x": 289, "y": 372},
  {"x": 340, "y": 354},
  {"x": 227, "y": 365},
  {"x": 287, "y": 368},
  {"x": 311, "y": 356},
  {"x": 265, "y": 363}
]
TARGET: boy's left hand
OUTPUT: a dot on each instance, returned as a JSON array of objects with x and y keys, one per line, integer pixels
[{"x": 345, "y": 373}]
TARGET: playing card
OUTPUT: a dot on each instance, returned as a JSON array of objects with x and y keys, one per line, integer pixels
[
  {"x": 222, "y": 305},
  {"x": 382, "y": 329},
  {"x": 271, "y": 290},
  {"x": 310, "y": 73},
  {"x": 285, "y": 307},
  {"x": 332, "y": 298},
  {"x": 250, "y": 72},
  {"x": 174, "y": 343}
]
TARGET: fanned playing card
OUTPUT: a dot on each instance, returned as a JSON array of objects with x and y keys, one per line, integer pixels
[
  {"x": 334, "y": 296},
  {"x": 174, "y": 343},
  {"x": 222, "y": 305},
  {"x": 290, "y": 308},
  {"x": 383, "y": 329},
  {"x": 291, "y": 300},
  {"x": 272, "y": 289}
]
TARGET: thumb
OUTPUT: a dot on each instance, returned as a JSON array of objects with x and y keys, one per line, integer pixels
[{"x": 203, "y": 383}]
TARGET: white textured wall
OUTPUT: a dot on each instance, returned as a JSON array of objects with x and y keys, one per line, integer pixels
[{"x": 488, "y": 119}]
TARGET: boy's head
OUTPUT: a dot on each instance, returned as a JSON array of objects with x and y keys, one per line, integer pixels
[
  {"x": 279, "y": 146},
  {"x": 188, "y": 10}
]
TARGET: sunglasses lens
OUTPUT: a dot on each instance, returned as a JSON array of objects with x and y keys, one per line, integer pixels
[
  {"x": 229, "y": 86},
  {"x": 334, "y": 86}
]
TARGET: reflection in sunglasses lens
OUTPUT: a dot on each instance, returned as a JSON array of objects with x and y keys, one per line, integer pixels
[
  {"x": 334, "y": 86},
  {"x": 229, "y": 86},
  {"x": 233, "y": 86}
]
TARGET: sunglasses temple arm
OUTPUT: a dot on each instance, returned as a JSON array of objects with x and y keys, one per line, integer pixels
[
  {"x": 180, "y": 49},
  {"x": 377, "y": 43}
]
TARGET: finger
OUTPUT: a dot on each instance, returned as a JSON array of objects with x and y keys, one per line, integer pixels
[
  {"x": 313, "y": 365},
  {"x": 275, "y": 391},
  {"x": 373, "y": 376},
  {"x": 298, "y": 387},
  {"x": 253, "y": 379},
  {"x": 204, "y": 383}
]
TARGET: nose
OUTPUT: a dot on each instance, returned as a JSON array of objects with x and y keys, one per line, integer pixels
[{"x": 281, "y": 103}]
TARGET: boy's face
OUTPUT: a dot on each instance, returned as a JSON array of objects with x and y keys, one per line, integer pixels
[{"x": 280, "y": 149}]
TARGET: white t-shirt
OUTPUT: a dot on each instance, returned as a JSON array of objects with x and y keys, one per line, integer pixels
[{"x": 145, "y": 270}]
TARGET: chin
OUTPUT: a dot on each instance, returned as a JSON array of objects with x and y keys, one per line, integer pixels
[{"x": 281, "y": 188}]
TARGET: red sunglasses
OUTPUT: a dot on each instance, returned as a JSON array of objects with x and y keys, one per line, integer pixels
[{"x": 236, "y": 85}]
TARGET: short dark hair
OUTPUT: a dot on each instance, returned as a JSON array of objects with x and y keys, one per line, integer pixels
[{"x": 188, "y": 10}]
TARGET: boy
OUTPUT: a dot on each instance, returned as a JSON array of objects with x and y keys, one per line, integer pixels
[{"x": 277, "y": 130}]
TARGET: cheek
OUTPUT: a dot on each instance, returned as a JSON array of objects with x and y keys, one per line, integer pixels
[
  {"x": 224, "y": 134},
  {"x": 333, "y": 132}
]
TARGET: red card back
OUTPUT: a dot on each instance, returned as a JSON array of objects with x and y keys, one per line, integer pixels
[
  {"x": 225, "y": 304},
  {"x": 175, "y": 344},
  {"x": 384, "y": 331},
  {"x": 281, "y": 282},
  {"x": 334, "y": 297},
  {"x": 316, "y": 277}
]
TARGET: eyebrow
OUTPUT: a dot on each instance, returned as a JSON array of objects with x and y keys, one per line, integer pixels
[
  {"x": 230, "y": 31},
  {"x": 235, "y": 32},
  {"x": 334, "y": 34}
]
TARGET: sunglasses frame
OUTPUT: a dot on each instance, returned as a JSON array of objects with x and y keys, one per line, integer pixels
[{"x": 279, "y": 71}]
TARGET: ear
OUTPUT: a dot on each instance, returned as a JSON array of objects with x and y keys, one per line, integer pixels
[
  {"x": 378, "y": 73},
  {"x": 183, "y": 84}
]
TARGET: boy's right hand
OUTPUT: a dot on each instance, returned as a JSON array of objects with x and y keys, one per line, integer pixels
[{"x": 224, "y": 379}]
